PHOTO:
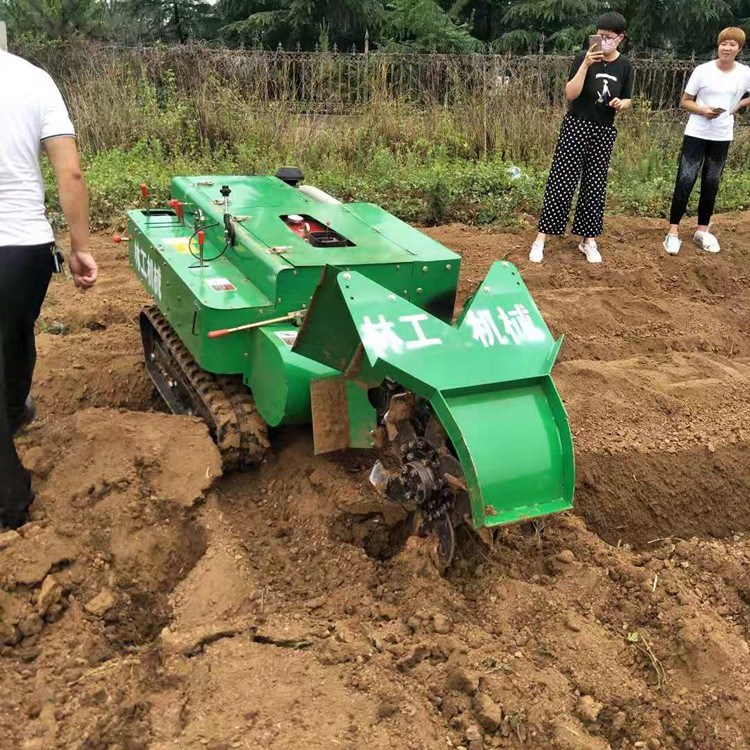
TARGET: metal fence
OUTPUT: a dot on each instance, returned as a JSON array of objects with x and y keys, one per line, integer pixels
[{"x": 340, "y": 83}]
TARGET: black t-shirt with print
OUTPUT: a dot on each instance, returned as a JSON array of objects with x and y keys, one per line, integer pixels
[{"x": 604, "y": 81}]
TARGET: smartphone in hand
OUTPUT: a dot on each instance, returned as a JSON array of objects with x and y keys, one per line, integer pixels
[{"x": 595, "y": 40}]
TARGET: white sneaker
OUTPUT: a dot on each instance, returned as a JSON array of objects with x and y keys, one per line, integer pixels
[
  {"x": 537, "y": 252},
  {"x": 706, "y": 241},
  {"x": 672, "y": 244},
  {"x": 591, "y": 251}
]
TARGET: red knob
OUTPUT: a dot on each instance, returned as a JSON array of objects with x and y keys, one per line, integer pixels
[
  {"x": 178, "y": 208},
  {"x": 118, "y": 238},
  {"x": 144, "y": 191},
  {"x": 218, "y": 334},
  {"x": 201, "y": 238}
]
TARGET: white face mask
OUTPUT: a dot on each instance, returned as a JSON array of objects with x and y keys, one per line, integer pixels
[{"x": 609, "y": 45}]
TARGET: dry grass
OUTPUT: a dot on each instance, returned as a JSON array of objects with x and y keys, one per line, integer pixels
[
  {"x": 197, "y": 97},
  {"x": 429, "y": 137}
]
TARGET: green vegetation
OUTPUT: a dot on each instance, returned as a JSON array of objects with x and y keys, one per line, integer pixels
[
  {"x": 425, "y": 184},
  {"x": 431, "y": 138}
]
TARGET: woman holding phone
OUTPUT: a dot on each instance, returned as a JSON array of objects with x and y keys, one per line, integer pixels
[
  {"x": 713, "y": 96},
  {"x": 600, "y": 85}
]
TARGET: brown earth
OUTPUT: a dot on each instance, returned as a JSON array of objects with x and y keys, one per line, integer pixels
[{"x": 151, "y": 604}]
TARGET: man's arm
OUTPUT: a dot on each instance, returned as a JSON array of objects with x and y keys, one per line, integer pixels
[{"x": 74, "y": 201}]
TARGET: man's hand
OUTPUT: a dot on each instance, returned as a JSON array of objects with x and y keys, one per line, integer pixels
[
  {"x": 616, "y": 104},
  {"x": 63, "y": 153},
  {"x": 84, "y": 269}
]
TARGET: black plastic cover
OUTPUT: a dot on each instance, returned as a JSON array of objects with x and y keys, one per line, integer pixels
[{"x": 290, "y": 175}]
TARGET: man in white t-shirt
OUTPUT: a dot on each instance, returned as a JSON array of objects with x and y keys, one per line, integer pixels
[
  {"x": 33, "y": 117},
  {"x": 713, "y": 96}
]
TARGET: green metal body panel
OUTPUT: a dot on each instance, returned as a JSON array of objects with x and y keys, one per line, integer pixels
[
  {"x": 378, "y": 308},
  {"x": 362, "y": 416},
  {"x": 286, "y": 269},
  {"x": 278, "y": 377},
  {"x": 271, "y": 271},
  {"x": 487, "y": 379}
]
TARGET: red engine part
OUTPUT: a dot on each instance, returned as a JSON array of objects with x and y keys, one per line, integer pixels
[{"x": 303, "y": 228}]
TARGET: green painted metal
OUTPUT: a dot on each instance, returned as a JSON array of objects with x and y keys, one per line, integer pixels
[
  {"x": 278, "y": 377},
  {"x": 362, "y": 416},
  {"x": 487, "y": 379},
  {"x": 389, "y": 294},
  {"x": 263, "y": 281}
]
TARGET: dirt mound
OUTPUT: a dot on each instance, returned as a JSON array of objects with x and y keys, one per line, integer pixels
[
  {"x": 150, "y": 604},
  {"x": 90, "y": 352},
  {"x": 87, "y": 583}
]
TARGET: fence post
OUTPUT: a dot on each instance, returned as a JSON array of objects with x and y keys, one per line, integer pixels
[
  {"x": 485, "y": 94},
  {"x": 3, "y": 36}
]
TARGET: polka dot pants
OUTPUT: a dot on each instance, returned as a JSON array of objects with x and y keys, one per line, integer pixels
[{"x": 583, "y": 153}]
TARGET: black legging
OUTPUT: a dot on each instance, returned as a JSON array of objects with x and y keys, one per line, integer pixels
[{"x": 696, "y": 152}]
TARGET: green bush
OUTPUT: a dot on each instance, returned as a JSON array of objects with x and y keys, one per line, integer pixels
[{"x": 424, "y": 182}]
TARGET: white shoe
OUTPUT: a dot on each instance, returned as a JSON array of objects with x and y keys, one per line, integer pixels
[
  {"x": 537, "y": 252},
  {"x": 591, "y": 251},
  {"x": 672, "y": 244},
  {"x": 706, "y": 241}
]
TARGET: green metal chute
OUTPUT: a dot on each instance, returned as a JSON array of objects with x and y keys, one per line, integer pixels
[{"x": 487, "y": 379}]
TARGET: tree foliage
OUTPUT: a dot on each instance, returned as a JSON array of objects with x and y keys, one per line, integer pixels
[
  {"x": 424, "y": 26},
  {"x": 674, "y": 27},
  {"x": 304, "y": 22},
  {"x": 168, "y": 21},
  {"x": 54, "y": 19}
]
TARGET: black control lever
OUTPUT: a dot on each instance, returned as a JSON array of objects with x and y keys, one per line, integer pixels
[{"x": 229, "y": 230}]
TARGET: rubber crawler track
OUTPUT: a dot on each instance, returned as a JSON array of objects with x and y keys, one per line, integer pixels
[{"x": 223, "y": 401}]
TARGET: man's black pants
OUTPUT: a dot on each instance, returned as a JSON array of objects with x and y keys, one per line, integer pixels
[{"x": 25, "y": 273}]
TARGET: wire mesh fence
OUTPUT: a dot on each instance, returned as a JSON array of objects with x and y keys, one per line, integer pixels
[
  {"x": 339, "y": 83},
  {"x": 348, "y": 105}
]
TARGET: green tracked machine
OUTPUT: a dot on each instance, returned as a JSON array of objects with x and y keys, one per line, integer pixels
[{"x": 276, "y": 304}]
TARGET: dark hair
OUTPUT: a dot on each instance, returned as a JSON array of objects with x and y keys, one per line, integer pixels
[{"x": 614, "y": 22}]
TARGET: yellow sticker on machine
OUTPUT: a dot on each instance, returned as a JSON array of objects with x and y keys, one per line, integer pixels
[{"x": 178, "y": 244}]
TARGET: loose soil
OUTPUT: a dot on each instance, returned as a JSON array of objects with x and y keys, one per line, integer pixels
[{"x": 153, "y": 604}]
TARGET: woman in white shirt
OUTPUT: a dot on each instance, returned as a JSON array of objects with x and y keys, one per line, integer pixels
[{"x": 713, "y": 96}]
